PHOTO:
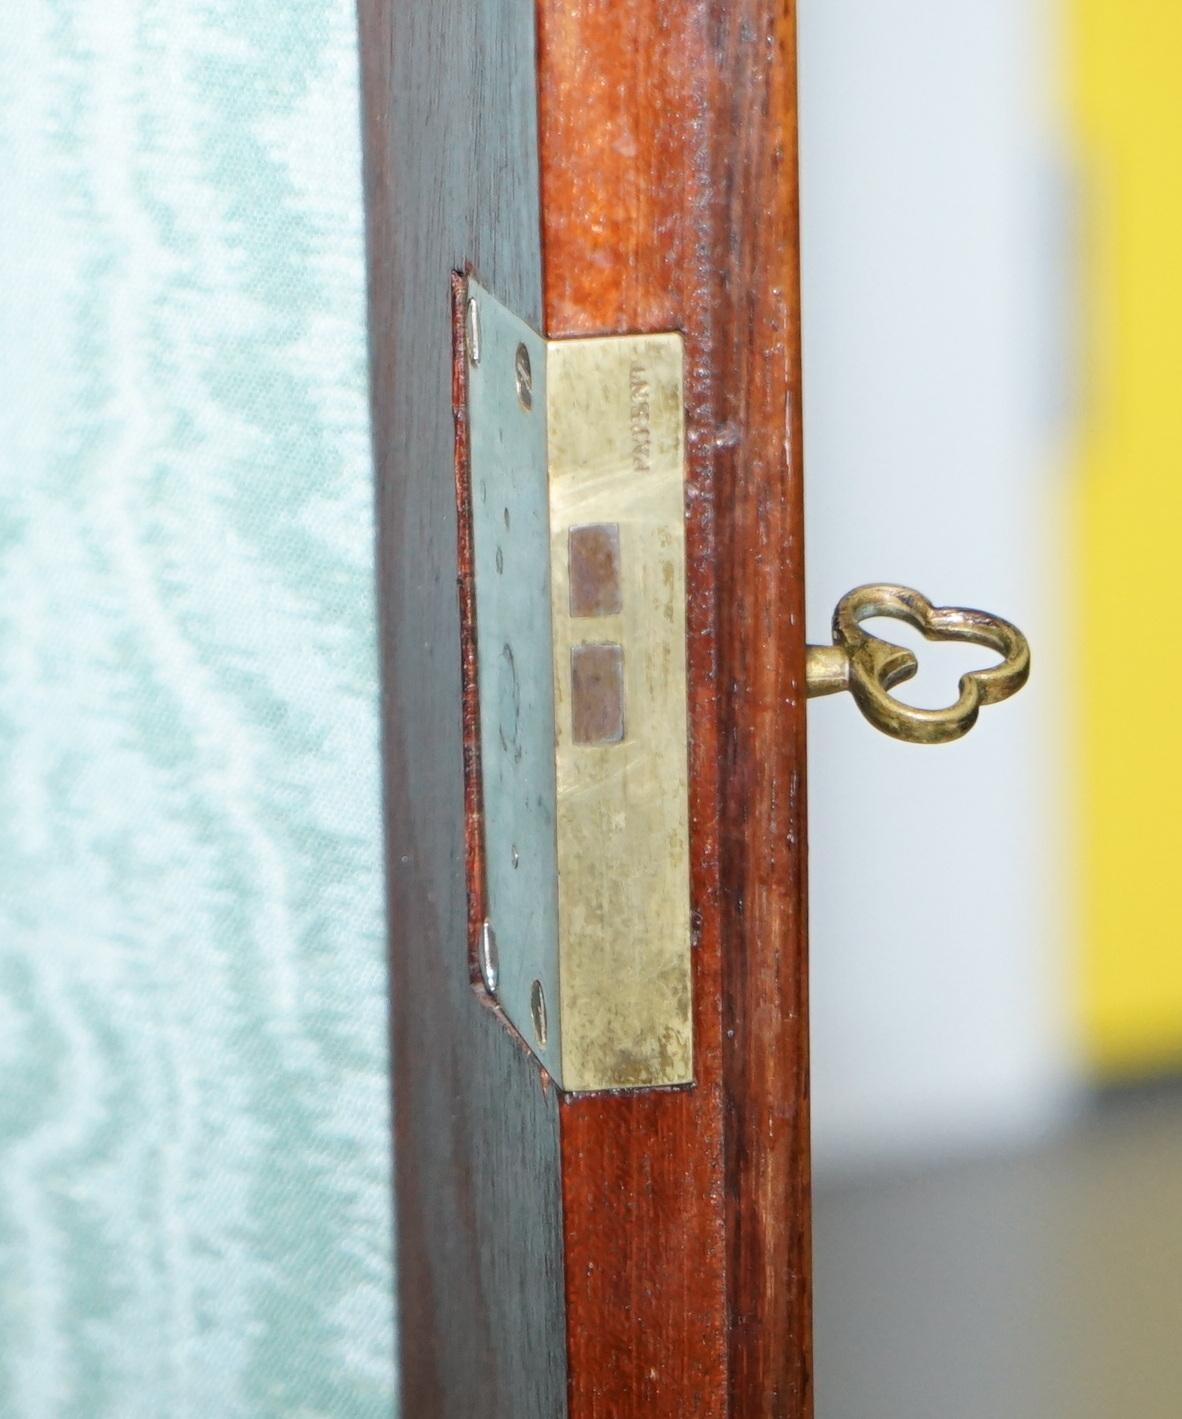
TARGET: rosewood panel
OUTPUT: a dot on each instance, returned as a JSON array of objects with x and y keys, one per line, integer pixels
[
  {"x": 619, "y": 1255},
  {"x": 669, "y": 181}
]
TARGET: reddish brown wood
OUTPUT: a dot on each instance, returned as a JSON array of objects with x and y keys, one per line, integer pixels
[
  {"x": 761, "y": 676},
  {"x": 644, "y": 1254},
  {"x": 669, "y": 186}
]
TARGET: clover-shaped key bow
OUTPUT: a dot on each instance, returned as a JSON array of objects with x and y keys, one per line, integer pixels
[{"x": 868, "y": 667}]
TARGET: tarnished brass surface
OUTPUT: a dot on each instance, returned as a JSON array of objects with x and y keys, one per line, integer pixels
[
  {"x": 577, "y": 452},
  {"x": 616, "y": 454},
  {"x": 869, "y": 667}
]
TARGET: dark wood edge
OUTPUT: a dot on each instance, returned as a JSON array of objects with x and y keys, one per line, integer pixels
[{"x": 450, "y": 170}]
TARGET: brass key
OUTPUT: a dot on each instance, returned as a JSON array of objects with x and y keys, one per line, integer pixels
[{"x": 869, "y": 667}]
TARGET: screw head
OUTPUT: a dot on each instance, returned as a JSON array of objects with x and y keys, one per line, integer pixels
[
  {"x": 472, "y": 330},
  {"x": 537, "y": 1008},
  {"x": 490, "y": 962}
]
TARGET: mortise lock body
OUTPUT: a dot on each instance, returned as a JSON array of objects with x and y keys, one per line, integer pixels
[{"x": 576, "y": 492}]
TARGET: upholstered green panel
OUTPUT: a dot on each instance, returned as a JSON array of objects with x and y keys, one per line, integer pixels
[{"x": 194, "y": 1132}]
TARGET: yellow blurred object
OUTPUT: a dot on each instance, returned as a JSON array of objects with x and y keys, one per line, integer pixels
[{"x": 1128, "y": 106}]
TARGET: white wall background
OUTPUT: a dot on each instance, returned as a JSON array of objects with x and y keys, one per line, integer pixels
[{"x": 933, "y": 230}]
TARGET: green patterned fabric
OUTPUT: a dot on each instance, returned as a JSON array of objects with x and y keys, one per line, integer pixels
[{"x": 194, "y": 1131}]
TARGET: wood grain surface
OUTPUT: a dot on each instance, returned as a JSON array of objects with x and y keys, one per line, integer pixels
[
  {"x": 669, "y": 188},
  {"x": 674, "y": 1223},
  {"x": 451, "y": 177}
]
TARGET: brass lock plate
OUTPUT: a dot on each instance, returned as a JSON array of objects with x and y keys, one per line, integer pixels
[{"x": 577, "y": 460}]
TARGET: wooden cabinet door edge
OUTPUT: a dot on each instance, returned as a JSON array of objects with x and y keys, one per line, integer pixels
[{"x": 605, "y": 167}]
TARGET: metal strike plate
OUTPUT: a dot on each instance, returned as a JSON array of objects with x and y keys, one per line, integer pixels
[{"x": 577, "y": 454}]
